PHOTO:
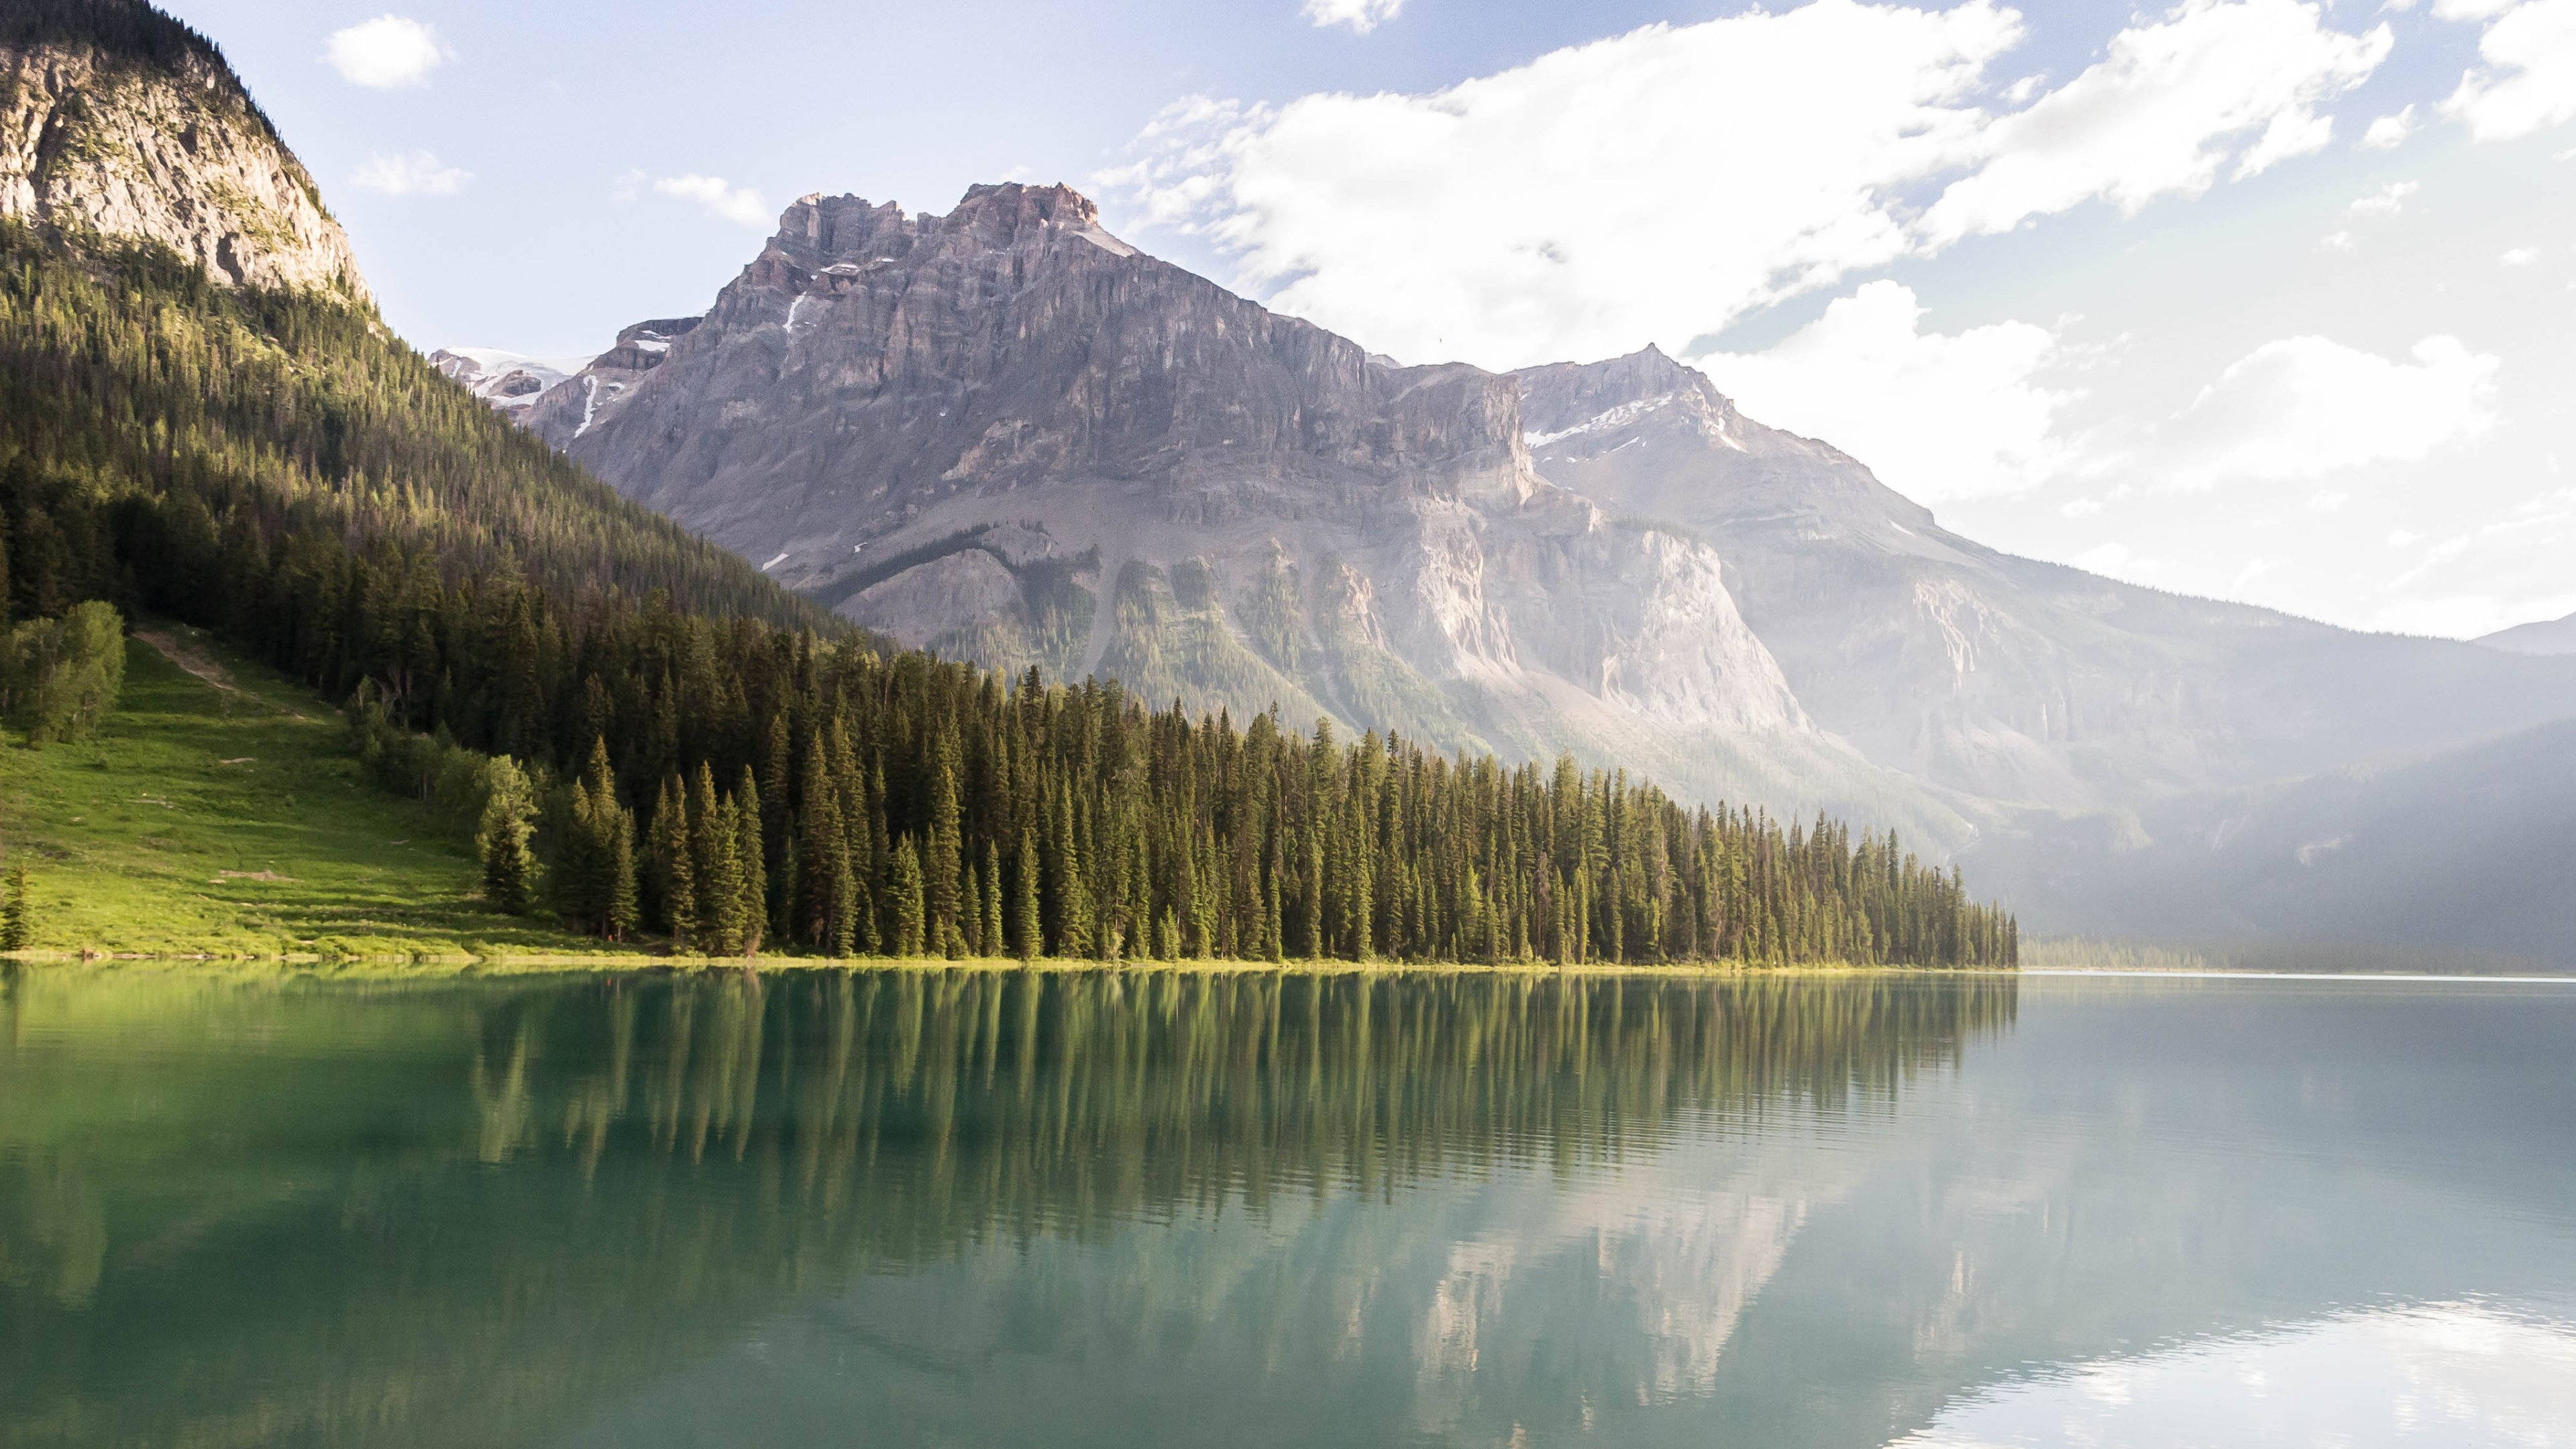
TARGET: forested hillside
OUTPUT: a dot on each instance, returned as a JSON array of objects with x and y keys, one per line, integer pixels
[{"x": 281, "y": 470}]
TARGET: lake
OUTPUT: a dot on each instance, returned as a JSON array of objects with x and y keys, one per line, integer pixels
[{"x": 981, "y": 1207}]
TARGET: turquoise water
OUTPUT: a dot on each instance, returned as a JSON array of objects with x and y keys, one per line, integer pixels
[{"x": 1148, "y": 1208}]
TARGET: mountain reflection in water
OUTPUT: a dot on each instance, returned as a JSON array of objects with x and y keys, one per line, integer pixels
[{"x": 1145, "y": 1207}]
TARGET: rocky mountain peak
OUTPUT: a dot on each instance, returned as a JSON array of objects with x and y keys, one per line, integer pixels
[
  {"x": 850, "y": 233},
  {"x": 118, "y": 121},
  {"x": 1564, "y": 399}
]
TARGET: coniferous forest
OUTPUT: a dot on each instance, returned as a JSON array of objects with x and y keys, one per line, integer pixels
[{"x": 647, "y": 737}]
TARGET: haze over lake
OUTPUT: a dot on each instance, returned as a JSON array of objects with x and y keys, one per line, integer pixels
[{"x": 1150, "y": 1207}]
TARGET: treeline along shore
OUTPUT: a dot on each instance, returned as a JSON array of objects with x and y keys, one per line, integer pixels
[{"x": 648, "y": 738}]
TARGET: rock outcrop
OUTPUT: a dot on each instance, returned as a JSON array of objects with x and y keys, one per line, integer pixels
[
  {"x": 1007, "y": 434},
  {"x": 117, "y": 121}
]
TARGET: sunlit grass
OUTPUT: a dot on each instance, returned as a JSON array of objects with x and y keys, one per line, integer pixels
[{"x": 233, "y": 823}]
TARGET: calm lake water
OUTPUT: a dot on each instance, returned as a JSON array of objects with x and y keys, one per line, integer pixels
[{"x": 979, "y": 1208}]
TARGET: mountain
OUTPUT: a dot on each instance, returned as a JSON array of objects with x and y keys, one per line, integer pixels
[
  {"x": 119, "y": 122},
  {"x": 1007, "y": 434},
  {"x": 193, "y": 378},
  {"x": 2466, "y": 849},
  {"x": 509, "y": 382},
  {"x": 1004, "y": 433},
  {"x": 2550, "y": 636},
  {"x": 1998, "y": 676}
]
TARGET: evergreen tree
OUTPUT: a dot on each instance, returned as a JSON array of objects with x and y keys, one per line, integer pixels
[
  {"x": 749, "y": 847},
  {"x": 943, "y": 860},
  {"x": 622, "y": 905},
  {"x": 826, "y": 890},
  {"x": 911, "y": 905},
  {"x": 672, "y": 854},
  {"x": 509, "y": 819},
  {"x": 1027, "y": 936},
  {"x": 969, "y": 940},
  {"x": 994, "y": 943},
  {"x": 17, "y": 917}
]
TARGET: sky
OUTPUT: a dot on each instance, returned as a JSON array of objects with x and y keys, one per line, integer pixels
[{"x": 2251, "y": 299}]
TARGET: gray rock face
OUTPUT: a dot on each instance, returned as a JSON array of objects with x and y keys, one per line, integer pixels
[
  {"x": 1007, "y": 434},
  {"x": 2017, "y": 681},
  {"x": 119, "y": 147}
]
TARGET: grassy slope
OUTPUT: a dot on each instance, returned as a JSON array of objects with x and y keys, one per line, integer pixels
[{"x": 142, "y": 839}]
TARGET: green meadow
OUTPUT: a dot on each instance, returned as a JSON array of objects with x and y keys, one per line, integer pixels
[{"x": 224, "y": 815}]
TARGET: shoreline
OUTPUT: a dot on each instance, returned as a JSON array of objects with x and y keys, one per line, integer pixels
[
  {"x": 604, "y": 963},
  {"x": 429, "y": 966}
]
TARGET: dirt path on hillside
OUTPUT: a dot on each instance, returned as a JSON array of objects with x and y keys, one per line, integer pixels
[
  {"x": 169, "y": 647},
  {"x": 189, "y": 660}
]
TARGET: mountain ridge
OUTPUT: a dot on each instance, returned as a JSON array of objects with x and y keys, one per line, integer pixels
[
  {"x": 1088, "y": 460},
  {"x": 964, "y": 430},
  {"x": 121, "y": 122},
  {"x": 2547, "y": 636}
]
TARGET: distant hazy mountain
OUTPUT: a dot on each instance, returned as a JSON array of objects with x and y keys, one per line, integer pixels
[
  {"x": 2550, "y": 636},
  {"x": 2472, "y": 848},
  {"x": 2003, "y": 677}
]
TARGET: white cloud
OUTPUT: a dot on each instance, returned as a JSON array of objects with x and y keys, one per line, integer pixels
[
  {"x": 2529, "y": 80},
  {"x": 2520, "y": 256},
  {"x": 2471, "y": 9},
  {"x": 1362, "y": 16},
  {"x": 1661, "y": 184},
  {"x": 2161, "y": 113},
  {"x": 2338, "y": 241},
  {"x": 2389, "y": 132},
  {"x": 416, "y": 173},
  {"x": 2387, "y": 200},
  {"x": 1649, "y": 187},
  {"x": 2119, "y": 561},
  {"x": 386, "y": 52},
  {"x": 733, "y": 203},
  {"x": 1937, "y": 415},
  {"x": 2303, "y": 407}
]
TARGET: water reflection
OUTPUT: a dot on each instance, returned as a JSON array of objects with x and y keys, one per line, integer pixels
[
  {"x": 2460, "y": 1375},
  {"x": 1162, "y": 1207}
]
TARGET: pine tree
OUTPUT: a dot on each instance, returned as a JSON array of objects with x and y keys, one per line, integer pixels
[
  {"x": 622, "y": 912},
  {"x": 509, "y": 819},
  {"x": 749, "y": 848},
  {"x": 587, "y": 878},
  {"x": 17, "y": 917},
  {"x": 943, "y": 861},
  {"x": 995, "y": 943},
  {"x": 969, "y": 940},
  {"x": 911, "y": 906},
  {"x": 778, "y": 841},
  {"x": 714, "y": 836},
  {"x": 826, "y": 886},
  {"x": 673, "y": 852},
  {"x": 1027, "y": 935}
]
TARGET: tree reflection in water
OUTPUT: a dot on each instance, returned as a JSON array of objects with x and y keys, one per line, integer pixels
[{"x": 262, "y": 1211}]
